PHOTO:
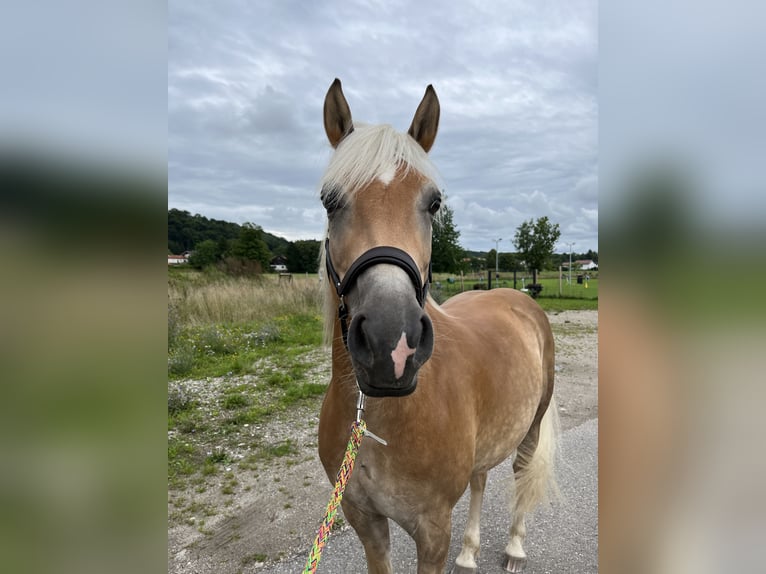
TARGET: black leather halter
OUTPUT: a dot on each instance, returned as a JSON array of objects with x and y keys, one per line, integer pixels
[{"x": 374, "y": 256}]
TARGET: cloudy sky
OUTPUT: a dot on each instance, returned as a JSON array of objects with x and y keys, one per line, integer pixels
[{"x": 517, "y": 82}]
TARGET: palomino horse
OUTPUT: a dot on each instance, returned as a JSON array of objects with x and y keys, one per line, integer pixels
[{"x": 455, "y": 389}]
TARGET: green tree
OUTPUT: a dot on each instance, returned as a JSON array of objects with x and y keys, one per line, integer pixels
[
  {"x": 224, "y": 247},
  {"x": 186, "y": 231},
  {"x": 205, "y": 253},
  {"x": 446, "y": 253},
  {"x": 534, "y": 241},
  {"x": 505, "y": 261},
  {"x": 303, "y": 256},
  {"x": 492, "y": 257},
  {"x": 250, "y": 246},
  {"x": 508, "y": 261}
]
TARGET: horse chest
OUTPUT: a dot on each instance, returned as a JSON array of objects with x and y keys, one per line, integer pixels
[{"x": 380, "y": 485}]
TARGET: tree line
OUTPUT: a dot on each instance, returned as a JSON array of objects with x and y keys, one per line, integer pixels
[
  {"x": 247, "y": 249},
  {"x": 534, "y": 240},
  {"x": 236, "y": 249}
]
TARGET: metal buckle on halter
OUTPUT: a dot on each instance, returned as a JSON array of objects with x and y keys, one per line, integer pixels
[
  {"x": 343, "y": 316},
  {"x": 360, "y": 402}
]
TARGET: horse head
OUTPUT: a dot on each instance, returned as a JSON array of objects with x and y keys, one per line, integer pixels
[{"x": 380, "y": 197}]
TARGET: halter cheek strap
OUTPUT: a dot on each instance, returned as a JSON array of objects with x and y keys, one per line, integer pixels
[{"x": 375, "y": 256}]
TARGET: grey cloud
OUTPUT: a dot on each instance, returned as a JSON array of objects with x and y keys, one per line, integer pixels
[{"x": 517, "y": 84}]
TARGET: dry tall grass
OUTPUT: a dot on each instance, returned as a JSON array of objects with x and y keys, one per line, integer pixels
[{"x": 220, "y": 299}]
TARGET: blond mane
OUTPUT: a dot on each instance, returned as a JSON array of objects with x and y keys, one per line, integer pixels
[{"x": 370, "y": 152}]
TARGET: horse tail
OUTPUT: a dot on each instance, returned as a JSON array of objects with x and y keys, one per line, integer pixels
[{"x": 535, "y": 464}]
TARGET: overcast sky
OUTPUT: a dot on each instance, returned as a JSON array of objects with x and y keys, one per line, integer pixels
[{"x": 517, "y": 82}]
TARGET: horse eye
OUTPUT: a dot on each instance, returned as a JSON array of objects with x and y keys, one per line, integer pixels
[
  {"x": 434, "y": 207},
  {"x": 330, "y": 199},
  {"x": 330, "y": 205}
]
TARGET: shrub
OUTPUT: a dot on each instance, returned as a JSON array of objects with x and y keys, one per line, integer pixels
[
  {"x": 235, "y": 401},
  {"x": 174, "y": 326},
  {"x": 181, "y": 361},
  {"x": 179, "y": 399},
  {"x": 213, "y": 341}
]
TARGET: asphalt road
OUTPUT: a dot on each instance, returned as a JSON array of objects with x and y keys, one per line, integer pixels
[{"x": 561, "y": 538}]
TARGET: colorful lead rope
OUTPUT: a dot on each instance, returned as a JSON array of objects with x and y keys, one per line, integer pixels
[{"x": 358, "y": 429}]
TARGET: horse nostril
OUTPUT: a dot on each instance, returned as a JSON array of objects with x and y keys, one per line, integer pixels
[
  {"x": 425, "y": 344},
  {"x": 358, "y": 341},
  {"x": 426, "y": 326}
]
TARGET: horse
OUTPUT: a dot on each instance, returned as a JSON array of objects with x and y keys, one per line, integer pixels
[{"x": 454, "y": 389}]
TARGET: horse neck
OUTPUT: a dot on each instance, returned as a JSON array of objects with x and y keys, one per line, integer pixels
[{"x": 339, "y": 406}]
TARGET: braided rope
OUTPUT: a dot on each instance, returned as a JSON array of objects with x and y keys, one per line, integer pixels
[{"x": 344, "y": 473}]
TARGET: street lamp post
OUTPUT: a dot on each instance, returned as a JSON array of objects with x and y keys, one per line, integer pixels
[
  {"x": 570, "y": 261},
  {"x": 497, "y": 253}
]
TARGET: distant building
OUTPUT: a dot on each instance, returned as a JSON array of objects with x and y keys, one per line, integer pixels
[
  {"x": 278, "y": 264},
  {"x": 586, "y": 264},
  {"x": 178, "y": 259},
  {"x": 581, "y": 264}
]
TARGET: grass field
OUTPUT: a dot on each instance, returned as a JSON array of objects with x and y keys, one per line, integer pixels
[
  {"x": 219, "y": 324},
  {"x": 555, "y": 296},
  {"x": 223, "y": 331}
]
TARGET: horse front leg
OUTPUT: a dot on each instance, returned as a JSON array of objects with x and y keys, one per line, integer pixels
[
  {"x": 432, "y": 537},
  {"x": 373, "y": 532}
]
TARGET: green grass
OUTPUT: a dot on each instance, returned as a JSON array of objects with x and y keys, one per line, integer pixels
[
  {"x": 574, "y": 290},
  {"x": 276, "y": 353},
  {"x": 218, "y": 350},
  {"x": 571, "y": 297},
  {"x": 235, "y": 401},
  {"x": 295, "y": 393},
  {"x": 285, "y": 448},
  {"x": 557, "y": 304},
  {"x": 188, "y": 462},
  {"x": 187, "y": 422},
  {"x": 183, "y": 459},
  {"x": 250, "y": 416}
]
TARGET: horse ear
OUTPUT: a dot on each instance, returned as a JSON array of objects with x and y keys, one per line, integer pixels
[
  {"x": 337, "y": 115},
  {"x": 426, "y": 121}
]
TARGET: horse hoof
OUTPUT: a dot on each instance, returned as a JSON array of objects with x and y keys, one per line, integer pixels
[
  {"x": 458, "y": 569},
  {"x": 514, "y": 564}
]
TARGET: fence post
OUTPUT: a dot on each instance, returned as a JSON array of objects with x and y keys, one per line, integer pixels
[
  {"x": 489, "y": 279},
  {"x": 559, "y": 280}
]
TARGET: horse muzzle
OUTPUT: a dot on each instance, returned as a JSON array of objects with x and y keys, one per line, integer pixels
[
  {"x": 389, "y": 339},
  {"x": 390, "y": 336}
]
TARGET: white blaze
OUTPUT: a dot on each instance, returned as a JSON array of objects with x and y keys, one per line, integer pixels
[
  {"x": 400, "y": 354},
  {"x": 387, "y": 176}
]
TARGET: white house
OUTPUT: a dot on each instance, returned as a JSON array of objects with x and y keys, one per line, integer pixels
[
  {"x": 178, "y": 259},
  {"x": 586, "y": 264}
]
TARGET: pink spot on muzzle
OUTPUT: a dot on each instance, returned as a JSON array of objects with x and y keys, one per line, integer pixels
[{"x": 400, "y": 354}]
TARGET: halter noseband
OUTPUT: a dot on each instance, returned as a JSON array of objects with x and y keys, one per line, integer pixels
[{"x": 374, "y": 256}]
